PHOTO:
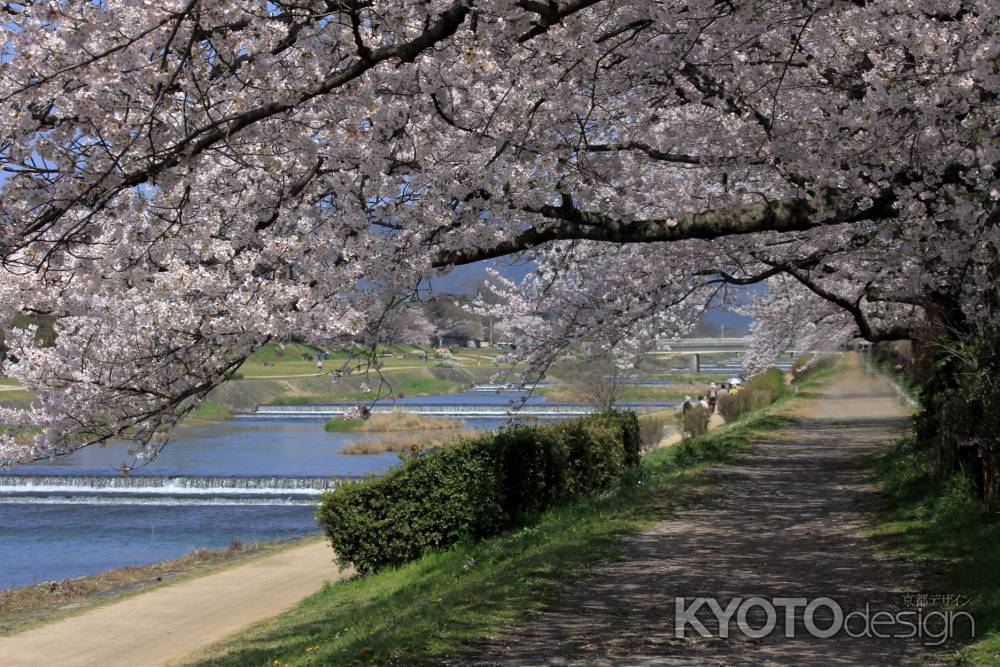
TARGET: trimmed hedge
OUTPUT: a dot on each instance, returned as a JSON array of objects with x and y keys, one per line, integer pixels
[
  {"x": 759, "y": 392},
  {"x": 475, "y": 488}
]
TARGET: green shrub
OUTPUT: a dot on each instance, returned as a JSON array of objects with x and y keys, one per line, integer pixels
[
  {"x": 694, "y": 421},
  {"x": 653, "y": 426},
  {"x": 430, "y": 501},
  {"x": 478, "y": 487},
  {"x": 772, "y": 381},
  {"x": 759, "y": 392},
  {"x": 959, "y": 421},
  {"x": 628, "y": 424},
  {"x": 731, "y": 405}
]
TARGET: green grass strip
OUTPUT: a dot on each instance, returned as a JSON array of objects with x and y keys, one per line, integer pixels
[
  {"x": 941, "y": 522},
  {"x": 418, "y": 613}
]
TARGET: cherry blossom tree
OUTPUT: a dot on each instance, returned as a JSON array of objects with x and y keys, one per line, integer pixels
[
  {"x": 407, "y": 324},
  {"x": 186, "y": 180}
]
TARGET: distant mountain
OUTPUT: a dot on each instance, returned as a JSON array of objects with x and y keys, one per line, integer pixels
[{"x": 468, "y": 280}]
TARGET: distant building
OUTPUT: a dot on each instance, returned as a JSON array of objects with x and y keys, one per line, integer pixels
[{"x": 457, "y": 339}]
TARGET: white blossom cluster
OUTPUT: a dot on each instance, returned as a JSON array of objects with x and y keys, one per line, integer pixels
[{"x": 186, "y": 180}]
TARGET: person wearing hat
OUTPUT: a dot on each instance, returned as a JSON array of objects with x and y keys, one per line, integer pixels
[{"x": 713, "y": 396}]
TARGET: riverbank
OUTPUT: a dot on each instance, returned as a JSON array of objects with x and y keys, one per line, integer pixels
[
  {"x": 162, "y": 625},
  {"x": 245, "y": 395},
  {"x": 21, "y": 608},
  {"x": 284, "y": 387}
]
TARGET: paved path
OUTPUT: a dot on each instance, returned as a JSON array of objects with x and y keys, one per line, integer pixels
[
  {"x": 166, "y": 624},
  {"x": 786, "y": 521}
]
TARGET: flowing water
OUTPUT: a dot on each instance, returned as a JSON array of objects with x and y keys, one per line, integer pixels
[{"x": 251, "y": 479}]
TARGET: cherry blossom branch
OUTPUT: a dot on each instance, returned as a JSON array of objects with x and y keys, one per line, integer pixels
[{"x": 828, "y": 207}]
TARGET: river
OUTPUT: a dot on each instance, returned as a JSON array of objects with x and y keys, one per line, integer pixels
[{"x": 248, "y": 478}]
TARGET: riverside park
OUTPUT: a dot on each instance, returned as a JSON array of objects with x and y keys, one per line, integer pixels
[{"x": 499, "y": 332}]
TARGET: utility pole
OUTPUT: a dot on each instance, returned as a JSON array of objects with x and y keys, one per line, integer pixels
[{"x": 489, "y": 320}]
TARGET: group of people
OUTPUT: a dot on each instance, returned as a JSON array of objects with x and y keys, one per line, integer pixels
[{"x": 711, "y": 397}]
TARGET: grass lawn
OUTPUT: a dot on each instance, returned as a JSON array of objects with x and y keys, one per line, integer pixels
[
  {"x": 428, "y": 609},
  {"x": 701, "y": 379},
  {"x": 659, "y": 393},
  {"x": 19, "y": 395},
  {"x": 209, "y": 411},
  {"x": 8, "y": 381},
  {"x": 272, "y": 354},
  {"x": 940, "y": 521},
  {"x": 405, "y": 384},
  {"x": 473, "y": 356},
  {"x": 573, "y": 393},
  {"x": 268, "y": 363},
  {"x": 252, "y": 370}
]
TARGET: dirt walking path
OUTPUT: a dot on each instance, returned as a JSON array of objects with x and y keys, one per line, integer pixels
[
  {"x": 675, "y": 438},
  {"x": 166, "y": 624},
  {"x": 785, "y": 521}
]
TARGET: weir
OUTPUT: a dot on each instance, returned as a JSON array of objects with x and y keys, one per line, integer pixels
[
  {"x": 487, "y": 411},
  {"x": 501, "y": 389},
  {"x": 12, "y": 484},
  {"x": 543, "y": 410}
]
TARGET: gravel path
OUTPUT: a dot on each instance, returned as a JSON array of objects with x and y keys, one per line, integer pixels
[
  {"x": 166, "y": 624},
  {"x": 785, "y": 522}
]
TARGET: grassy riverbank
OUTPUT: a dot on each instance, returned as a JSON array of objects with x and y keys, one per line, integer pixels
[
  {"x": 574, "y": 393},
  {"x": 208, "y": 412},
  {"x": 405, "y": 432},
  {"x": 430, "y": 608},
  {"x": 408, "y": 442},
  {"x": 246, "y": 394},
  {"x": 940, "y": 521},
  {"x": 24, "y": 607},
  {"x": 392, "y": 421}
]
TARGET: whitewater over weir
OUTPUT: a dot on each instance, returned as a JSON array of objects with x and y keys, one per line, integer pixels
[{"x": 154, "y": 490}]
